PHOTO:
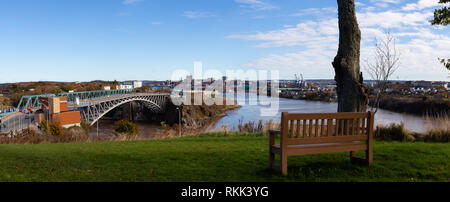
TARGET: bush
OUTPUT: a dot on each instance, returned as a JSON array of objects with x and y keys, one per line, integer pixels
[
  {"x": 28, "y": 131},
  {"x": 44, "y": 124},
  {"x": 393, "y": 132},
  {"x": 54, "y": 129},
  {"x": 437, "y": 135},
  {"x": 124, "y": 126},
  {"x": 86, "y": 127},
  {"x": 397, "y": 132}
]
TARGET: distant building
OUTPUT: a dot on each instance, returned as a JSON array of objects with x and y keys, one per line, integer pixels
[
  {"x": 129, "y": 85},
  {"x": 124, "y": 87},
  {"x": 133, "y": 84},
  {"x": 55, "y": 110},
  {"x": 188, "y": 78},
  {"x": 425, "y": 84},
  {"x": 106, "y": 87},
  {"x": 440, "y": 84}
]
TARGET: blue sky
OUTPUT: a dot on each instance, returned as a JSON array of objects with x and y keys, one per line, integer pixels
[{"x": 82, "y": 40}]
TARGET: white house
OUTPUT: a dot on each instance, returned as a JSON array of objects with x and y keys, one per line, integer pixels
[
  {"x": 124, "y": 87},
  {"x": 133, "y": 84}
]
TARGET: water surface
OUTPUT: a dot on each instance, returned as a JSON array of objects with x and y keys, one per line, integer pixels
[{"x": 253, "y": 113}]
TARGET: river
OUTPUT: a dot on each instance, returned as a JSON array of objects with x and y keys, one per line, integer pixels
[{"x": 253, "y": 113}]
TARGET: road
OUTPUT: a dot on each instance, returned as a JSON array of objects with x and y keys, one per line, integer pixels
[{"x": 17, "y": 121}]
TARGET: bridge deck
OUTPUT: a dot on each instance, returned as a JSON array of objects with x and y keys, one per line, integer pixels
[{"x": 93, "y": 101}]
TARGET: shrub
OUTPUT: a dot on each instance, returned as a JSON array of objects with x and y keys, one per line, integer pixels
[
  {"x": 28, "y": 131},
  {"x": 75, "y": 134},
  {"x": 393, "y": 132},
  {"x": 86, "y": 127},
  {"x": 437, "y": 135},
  {"x": 124, "y": 126},
  {"x": 56, "y": 129},
  {"x": 44, "y": 124},
  {"x": 397, "y": 132}
]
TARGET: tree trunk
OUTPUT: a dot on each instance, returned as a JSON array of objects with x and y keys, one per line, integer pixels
[{"x": 352, "y": 95}]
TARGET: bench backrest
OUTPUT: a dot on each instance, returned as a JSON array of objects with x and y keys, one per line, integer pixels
[{"x": 326, "y": 128}]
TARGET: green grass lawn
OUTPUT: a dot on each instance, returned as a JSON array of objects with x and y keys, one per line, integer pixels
[{"x": 214, "y": 158}]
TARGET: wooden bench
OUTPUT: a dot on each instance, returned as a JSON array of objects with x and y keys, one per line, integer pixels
[{"x": 303, "y": 134}]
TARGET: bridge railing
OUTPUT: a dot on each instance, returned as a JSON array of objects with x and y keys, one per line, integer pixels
[
  {"x": 71, "y": 97},
  {"x": 32, "y": 101}
]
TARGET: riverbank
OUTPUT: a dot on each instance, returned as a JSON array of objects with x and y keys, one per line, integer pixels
[
  {"x": 424, "y": 106},
  {"x": 418, "y": 106},
  {"x": 311, "y": 96},
  {"x": 212, "y": 158},
  {"x": 248, "y": 113}
]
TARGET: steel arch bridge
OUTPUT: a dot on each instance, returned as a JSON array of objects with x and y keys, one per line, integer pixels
[
  {"x": 94, "y": 109},
  {"x": 32, "y": 101}
]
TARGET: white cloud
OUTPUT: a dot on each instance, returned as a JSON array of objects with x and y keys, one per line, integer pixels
[
  {"x": 357, "y": 3},
  {"x": 130, "y": 2},
  {"x": 421, "y": 4},
  {"x": 393, "y": 19},
  {"x": 307, "y": 34},
  {"x": 387, "y": 1},
  {"x": 255, "y": 4},
  {"x": 316, "y": 11},
  {"x": 384, "y": 3},
  {"x": 313, "y": 63},
  {"x": 420, "y": 44},
  {"x": 197, "y": 14}
]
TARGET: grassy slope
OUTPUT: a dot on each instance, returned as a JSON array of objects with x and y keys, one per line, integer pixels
[{"x": 209, "y": 158}]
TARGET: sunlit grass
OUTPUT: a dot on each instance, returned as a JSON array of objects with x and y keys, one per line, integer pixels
[{"x": 214, "y": 157}]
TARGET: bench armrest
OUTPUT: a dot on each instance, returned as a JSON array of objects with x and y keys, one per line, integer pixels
[{"x": 272, "y": 134}]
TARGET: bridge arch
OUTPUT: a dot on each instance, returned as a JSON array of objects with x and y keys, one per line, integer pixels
[{"x": 94, "y": 112}]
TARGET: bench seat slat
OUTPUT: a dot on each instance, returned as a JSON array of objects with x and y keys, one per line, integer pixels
[
  {"x": 322, "y": 148},
  {"x": 326, "y": 149},
  {"x": 316, "y": 140}
]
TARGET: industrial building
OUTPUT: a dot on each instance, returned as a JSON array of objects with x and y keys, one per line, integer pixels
[{"x": 55, "y": 109}]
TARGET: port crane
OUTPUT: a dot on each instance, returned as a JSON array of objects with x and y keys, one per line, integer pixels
[{"x": 298, "y": 83}]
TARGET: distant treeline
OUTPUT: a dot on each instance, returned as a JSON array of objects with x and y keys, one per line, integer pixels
[{"x": 423, "y": 107}]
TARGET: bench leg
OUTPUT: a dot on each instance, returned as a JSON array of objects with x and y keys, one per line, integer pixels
[
  {"x": 352, "y": 156},
  {"x": 357, "y": 160},
  {"x": 271, "y": 158},
  {"x": 369, "y": 156},
  {"x": 284, "y": 164}
]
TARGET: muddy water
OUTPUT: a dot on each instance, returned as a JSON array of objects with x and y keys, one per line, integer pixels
[
  {"x": 253, "y": 113},
  {"x": 249, "y": 112}
]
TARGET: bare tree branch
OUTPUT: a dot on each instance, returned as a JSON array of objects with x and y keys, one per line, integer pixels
[{"x": 384, "y": 64}]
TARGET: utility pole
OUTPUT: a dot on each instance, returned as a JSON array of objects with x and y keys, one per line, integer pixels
[
  {"x": 179, "y": 120},
  {"x": 48, "y": 119}
]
